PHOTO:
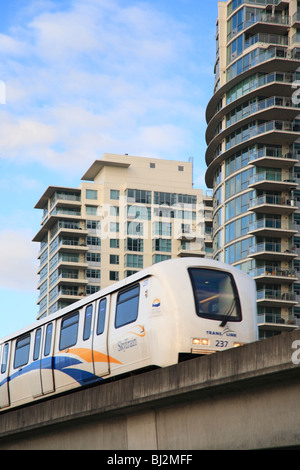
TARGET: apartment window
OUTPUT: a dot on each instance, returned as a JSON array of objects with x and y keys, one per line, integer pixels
[
  {"x": 91, "y": 210},
  {"x": 114, "y": 227},
  {"x": 139, "y": 212},
  {"x": 130, "y": 272},
  {"x": 93, "y": 224},
  {"x": 114, "y": 243},
  {"x": 93, "y": 257},
  {"x": 114, "y": 194},
  {"x": 114, "y": 259},
  {"x": 113, "y": 275},
  {"x": 135, "y": 244},
  {"x": 162, "y": 228},
  {"x": 93, "y": 273},
  {"x": 161, "y": 244},
  {"x": 180, "y": 168},
  {"x": 135, "y": 228},
  {"x": 134, "y": 261},
  {"x": 138, "y": 195},
  {"x": 92, "y": 289},
  {"x": 95, "y": 241},
  {"x": 114, "y": 211},
  {"x": 91, "y": 194},
  {"x": 158, "y": 258},
  {"x": 152, "y": 165},
  {"x": 69, "y": 257}
]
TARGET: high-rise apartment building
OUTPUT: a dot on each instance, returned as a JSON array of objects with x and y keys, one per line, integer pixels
[
  {"x": 253, "y": 148},
  {"x": 127, "y": 214}
]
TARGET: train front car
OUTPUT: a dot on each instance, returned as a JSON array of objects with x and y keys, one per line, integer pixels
[{"x": 213, "y": 306}]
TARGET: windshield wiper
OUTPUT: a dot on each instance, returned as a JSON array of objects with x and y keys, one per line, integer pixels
[{"x": 229, "y": 312}]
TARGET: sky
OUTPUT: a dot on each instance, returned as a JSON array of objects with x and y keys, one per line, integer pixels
[{"x": 82, "y": 78}]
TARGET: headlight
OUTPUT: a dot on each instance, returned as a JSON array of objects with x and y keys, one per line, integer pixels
[{"x": 201, "y": 341}]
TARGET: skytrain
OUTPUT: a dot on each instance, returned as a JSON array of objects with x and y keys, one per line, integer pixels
[{"x": 155, "y": 318}]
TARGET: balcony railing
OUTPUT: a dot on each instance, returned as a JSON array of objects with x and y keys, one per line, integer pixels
[
  {"x": 270, "y": 247},
  {"x": 271, "y": 294},
  {"x": 296, "y": 17},
  {"x": 270, "y": 271},
  {"x": 269, "y": 152},
  {"x": 270, "y": 175},
  {"x": 254, "y": 108},
  {"x": 256, "y": 57},
  {"x": 265, "y": 246},
  {"x": 263, "y": 17},
  {"x": 272, "y": 224},
  {"x": 272, "y": 200},
  {"x": 270, "y": 318},
  {"x": 269, "y": 126},
  {"x": 268, "y": 18},
  {"x": 267, "y": 38}
]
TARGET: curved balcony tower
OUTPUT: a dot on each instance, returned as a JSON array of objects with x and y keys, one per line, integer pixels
[{"x": 253, "y": 148}]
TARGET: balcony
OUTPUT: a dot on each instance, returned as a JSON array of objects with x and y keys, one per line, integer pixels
[
  {"x": 270, "y": 204},
  {"x": 272, "y": 227},
  {"x": 271, "y": 251},
  {"x": 275, "y": 298},
  {"x": 270, "y": 132},
  {"x": 188, "y": 249},
  {"x": 271, "y": 275},
  {"x": 269, "y": 157},
  {"x": 268, "y": 23},
  {"x": 288, "y": 110},
  {"x": 295, "y": 23},
  {"x": 273, "y": 181},
  {"x": 72, "y": 246},
  {"x": 271, "y": 321}
]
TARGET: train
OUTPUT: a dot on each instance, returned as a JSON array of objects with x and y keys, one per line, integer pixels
[{"x": 168, "y": 312}]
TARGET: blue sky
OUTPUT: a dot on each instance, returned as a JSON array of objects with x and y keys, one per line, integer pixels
[{"x": 84, "y": 78}]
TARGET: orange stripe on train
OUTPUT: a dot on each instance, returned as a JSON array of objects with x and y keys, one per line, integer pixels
[{"x": 89, "y": 356}]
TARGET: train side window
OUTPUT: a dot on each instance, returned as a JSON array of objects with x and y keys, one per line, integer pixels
[
  {"x": 48, "y": 339},
  {"x": 87, "y": 322},
  {"x": 4, "y": 358},
  {"x": 22, "y": 351},
  {"x": 127, "y": 306},
  {"x": 101, "y": 316},
  {"x": 37, "y": 344},
  {"x": 69, "y": 331}
]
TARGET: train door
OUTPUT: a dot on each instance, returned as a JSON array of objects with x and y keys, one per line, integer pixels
[
  {"x": 128, "y": 327},
  {"x": 100, "y": 338},
  {"x": 47, "y": 360},
  {"x": 87, "y": 351},
  {"x": 35, "y": 379},
  {"x": 4, "y": 370}
]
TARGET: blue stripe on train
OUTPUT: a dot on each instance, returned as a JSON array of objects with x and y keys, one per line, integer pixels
[{"x": 62, "y": 364}]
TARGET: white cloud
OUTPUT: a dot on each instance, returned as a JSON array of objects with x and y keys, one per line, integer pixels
[
  {"x": 18, "y": 266},
  {"x": 23, "y": 137},
  {"x": 99, "y": 76}
]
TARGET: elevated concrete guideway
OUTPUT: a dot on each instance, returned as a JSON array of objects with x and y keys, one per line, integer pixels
[{"x": 244, "y": 398}]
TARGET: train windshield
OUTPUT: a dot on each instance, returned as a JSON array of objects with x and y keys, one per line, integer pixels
[{"x": 215, "y": 295}]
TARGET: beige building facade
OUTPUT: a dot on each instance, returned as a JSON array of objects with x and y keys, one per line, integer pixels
[
  {"x": 253, "y": 147},
  {"x": 128, "y": 213}
]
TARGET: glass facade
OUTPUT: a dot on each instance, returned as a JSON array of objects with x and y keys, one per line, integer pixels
[{"x": 252, "y": 152}]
